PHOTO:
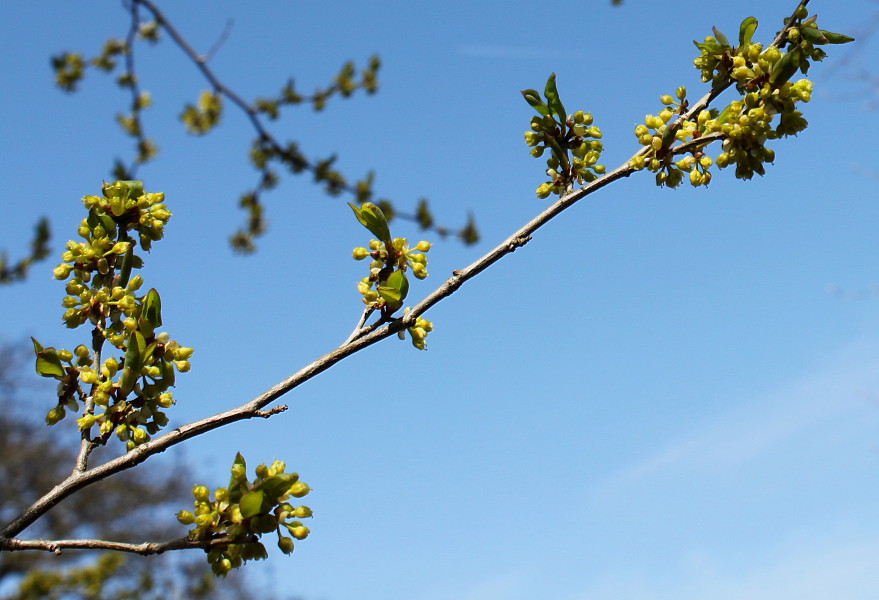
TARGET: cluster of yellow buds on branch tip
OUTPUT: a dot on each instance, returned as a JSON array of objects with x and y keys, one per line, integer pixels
[
  {"x": 125, "y": 395},
  {"x": 203, "y": 116},
  {"x": 242, "y": 512},
  {"x": 766, "y": 109},
  {"x": 386, "y": 286},
  {"x": 573, "y": 142}
]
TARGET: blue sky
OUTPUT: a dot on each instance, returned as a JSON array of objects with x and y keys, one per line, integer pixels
[{"x": 666, "y": 394}]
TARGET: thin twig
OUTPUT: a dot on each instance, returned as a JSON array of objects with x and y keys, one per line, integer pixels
[
  {"x": 358, "y": 329},
  {"x": 219, "y": 43},
  {"x": 251, "y": 112}
]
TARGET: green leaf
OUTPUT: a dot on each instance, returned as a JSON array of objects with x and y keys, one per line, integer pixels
[
  {"x": 48, "y": 362},
  {"x": 134, "y": 189},
  {"x": 251, "y": 503},
  {"x": 127, "y": 381},
  {"x": 372, "y": 217},
  {"x": 394, "y": 290},
  {"x": 125, "y": 269},
  {"x": 151, "y": 310},
  {"x": 720, "y": 37},
  {"x": 813, "y": 35},
  {"x": 785, "y": 68},
  {"x": 553, "y": 100},
  {"x": 746, "y": 31},
  {"x": 836, "y": 38},
  {"x": 277, "y": 486},
  {"x": 134, "y": 351},
  {"x": 532, "y": 97}
]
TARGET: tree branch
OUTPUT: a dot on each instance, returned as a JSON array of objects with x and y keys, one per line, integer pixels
[
  {"x": 363, "y": 337},
  {"x": 144, "y": 548}
]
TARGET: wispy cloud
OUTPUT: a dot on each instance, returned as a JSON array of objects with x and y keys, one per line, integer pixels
[{"x": 838, "y": 394}]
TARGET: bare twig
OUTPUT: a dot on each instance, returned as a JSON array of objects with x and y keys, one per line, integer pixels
[
  {"x": 220, "y": 41},
  {"x": 358, "y": 329},
  {"x": 253, "y": 114}
]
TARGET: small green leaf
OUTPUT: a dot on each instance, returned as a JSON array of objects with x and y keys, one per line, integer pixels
[
  {"x": 836, "y": 38},
  {"x": 720, "y": 37},
  {"x": 251, "y": 503},
  {"x": 532, "y": 97},
  {"x": 276, "y": 486},
  {"x": 127, "y": 381},
  {"x": 152, "y": 309},
  {"x": 785, "y": 68},
  {"x": 394, "y": 290},
  {"x": 746, "y": 31},
  {"x": 553, "y": 100},
  {"x": 813, "y": 35},
  {"x": 372, "y": 217},
  {"x": 134, "y": 351},
  {"x": 48, "y": 362}
]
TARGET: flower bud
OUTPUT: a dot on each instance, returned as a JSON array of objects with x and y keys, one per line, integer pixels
[
  {"x": 300, "y": 533},
  {"x": 298, "y": 489},
  {"x": 359, "y": 253},
  {"x": 185, "y": 517},
  {"x": 201, "y": 493},
  {"x": 301, "y": 512},
  {"x": 285, "y": 544}
]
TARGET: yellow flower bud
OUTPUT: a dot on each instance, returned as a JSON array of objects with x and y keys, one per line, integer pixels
[
  {"x": 185, "y": 517},
  {"x": 298, "y": 489}
]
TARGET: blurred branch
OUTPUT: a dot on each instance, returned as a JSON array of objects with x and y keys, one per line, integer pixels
[{"x": 39, "y": 249}]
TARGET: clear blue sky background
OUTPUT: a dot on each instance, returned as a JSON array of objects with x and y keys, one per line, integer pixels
[{"x": 667, "y": 394}]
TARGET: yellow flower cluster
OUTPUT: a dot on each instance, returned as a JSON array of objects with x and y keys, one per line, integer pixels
[{"x": 242, "y": 512}]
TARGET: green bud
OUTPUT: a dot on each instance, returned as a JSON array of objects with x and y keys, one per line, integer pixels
[
  {"x": 300, "y": 533},
  {"x": 201, "y": 493},
  {"x": 301, "y": 512},
  {"x": 298, "y": 489},
  {"x": 185, "y": 517},
  {"x": 285, "y": 544}
]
